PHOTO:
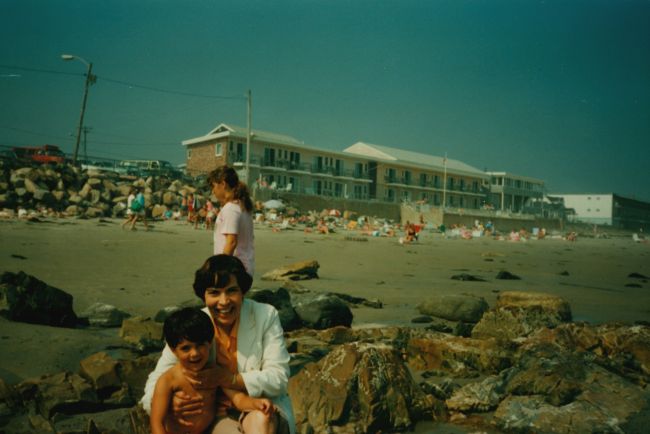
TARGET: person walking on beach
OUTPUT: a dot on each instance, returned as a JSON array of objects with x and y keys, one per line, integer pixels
[
  {"x": 139, "y": 211},
  {"x": 130, "y": 215},
  {"x": 233, "y": 233}
]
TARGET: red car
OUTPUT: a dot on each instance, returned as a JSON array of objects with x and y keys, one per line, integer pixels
[{"x": 41, "y": 154}]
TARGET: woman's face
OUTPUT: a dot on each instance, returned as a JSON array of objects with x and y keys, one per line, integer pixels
[
  {"x": 219, "y": 190},
  {"x": 225, "y": 303}
]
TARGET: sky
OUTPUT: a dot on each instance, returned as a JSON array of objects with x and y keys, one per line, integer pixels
[{"x": 555, "y": 90}]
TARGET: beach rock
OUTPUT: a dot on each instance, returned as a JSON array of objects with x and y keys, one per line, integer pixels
[
  {"x": 93, "y": 212},
  {"x": 518, "y": 314},
  {"x": 548, "y": 371},
  {"x": 163, "y": 313},
  {"x": 63, "y": 392},
  {"x": 109, "y": 421},
  {"x": 25, "y": 298},
  {"x": 281, "y": 300},
  {"x": 605, "y": 405},
  {"x": 157, "y": 211},
  {"x": 458, "y": 356},
  {"x": 467, "y": 278},
  {"x": 104, "y": 315},
  {"x": 324, "y": 311},
  {"x": 360, "y": 387},
  {"x": 134, "y": 373},
  {"x": 462, "y": 307},
  {"x": 296, "y": 271},
  {"x": 358, "y": 301},
  {"x": 143, "y": 334},
  {"x": 101, "y": 370},
  {"x": 506, "y": 275},
  {"x": 169, "y": 198},
  {"x": 620, "y": 348},
  {"x": 480, "y": 396}
]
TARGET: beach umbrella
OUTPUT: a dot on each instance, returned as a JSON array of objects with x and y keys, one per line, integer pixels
[{"x": 273, "y": 204}]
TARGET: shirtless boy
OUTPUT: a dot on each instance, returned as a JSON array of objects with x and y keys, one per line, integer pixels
[{"x": 189, "y": 333}]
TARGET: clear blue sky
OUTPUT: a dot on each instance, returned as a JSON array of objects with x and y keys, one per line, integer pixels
[{"x": 557, "y": 90}]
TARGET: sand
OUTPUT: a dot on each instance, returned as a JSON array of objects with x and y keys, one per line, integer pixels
[{"x": 141, "y": 272}]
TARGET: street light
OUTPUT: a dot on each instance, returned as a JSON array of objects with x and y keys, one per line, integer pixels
[{"x": 90, "y": 79}]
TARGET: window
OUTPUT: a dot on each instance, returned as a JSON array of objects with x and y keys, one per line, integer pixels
[
  {"x": 189, "y": 153},
  {"x": 217, "y": 149}
]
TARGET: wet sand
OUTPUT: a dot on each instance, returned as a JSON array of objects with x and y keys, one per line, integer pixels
[{"x": 141, "y": 272}]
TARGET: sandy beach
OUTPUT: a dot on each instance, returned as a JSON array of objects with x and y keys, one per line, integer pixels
[{"x": 141, "y": 272}]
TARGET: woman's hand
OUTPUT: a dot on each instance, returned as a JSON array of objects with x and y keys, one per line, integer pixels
[
  {"x": 209, "y": 378},
  {"x": 264, "y": 405},
  {"x": 185, "y": 406}
]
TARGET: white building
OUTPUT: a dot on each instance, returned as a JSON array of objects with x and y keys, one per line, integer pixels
[{"x": 608, "y": 209}]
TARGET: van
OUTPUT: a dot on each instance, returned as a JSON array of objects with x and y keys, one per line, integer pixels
[{"x": 150, "y": 168}]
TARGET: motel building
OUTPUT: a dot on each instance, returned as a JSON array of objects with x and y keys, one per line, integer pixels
[
  {"x": 514, "y": 193},
  {"x": 362, "y": 171}
]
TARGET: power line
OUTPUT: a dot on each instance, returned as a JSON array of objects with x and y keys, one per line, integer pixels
[
  {"x": 126, "y": 83},
  {"x": 174, "y": 92},
  {"x": 46, "y": 71}
]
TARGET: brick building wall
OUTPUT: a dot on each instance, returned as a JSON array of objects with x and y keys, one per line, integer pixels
[{"x": 202, "y": 158}]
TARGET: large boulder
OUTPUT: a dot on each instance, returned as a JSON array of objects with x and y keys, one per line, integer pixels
[
  {"x": 363, "y": 387},
  {"x": 25, "y": 298},
  {"x": 606, "y": 404},
  {"x": 296, "y": 271},
  {"x": 143, "y": 334},
  {"x": 457, "y": 356},
  {"x": 461, "y": 307},
  {"x": 324, "y": 311},
  {"x": 620, "y": 348},
  {"x": 518, "y": 314},
  {"x": 281, "y": 300},
  {"x": 65, "y": 393},
  {"x": 104, "y": 315},
  {"x": 101, "y": 370}
]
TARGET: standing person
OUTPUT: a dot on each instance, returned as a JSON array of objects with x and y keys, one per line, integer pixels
[
  {"x": 250, "y": 354},
  {"x": 190, "y": 208},
  {"x": 139, "y": 210},
  {"x": 233, "y": 233},
  {"x": 130, "y": 215}
]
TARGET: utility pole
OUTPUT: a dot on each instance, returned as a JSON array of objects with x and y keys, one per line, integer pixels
[
  {"x": 85, "y": 131},
  {"x": 248, "y": 137},
  {"x": 90, "y": 79},
  {"x": 444, "y": 184}
]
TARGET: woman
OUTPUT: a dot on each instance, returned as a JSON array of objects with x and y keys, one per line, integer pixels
[
  {"x": 249, "y": 350},
  {"x": 233, "y": 233}
]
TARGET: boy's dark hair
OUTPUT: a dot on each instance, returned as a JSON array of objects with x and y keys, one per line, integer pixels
[
  {"x": 190, "y": 324},
  {"x": 216, "y": 272}
]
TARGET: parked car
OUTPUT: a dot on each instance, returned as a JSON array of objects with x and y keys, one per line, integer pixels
[
  {"x": 103, "y": 166},
  {"x": 41, "y": 154}
]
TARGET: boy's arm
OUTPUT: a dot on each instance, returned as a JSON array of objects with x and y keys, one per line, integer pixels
[{"x": 161, "y": 399}]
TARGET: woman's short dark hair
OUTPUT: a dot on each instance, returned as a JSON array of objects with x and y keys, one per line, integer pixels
[
  {"x": 190, "y": 324},
  {"x": 216, "y": 271}
]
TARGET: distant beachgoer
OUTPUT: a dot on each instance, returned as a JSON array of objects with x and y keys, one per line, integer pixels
[
  {"x": 139, "y": 210},
  {"x": 233, "y": 234},
  {"x": 130, "y": 215}
]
